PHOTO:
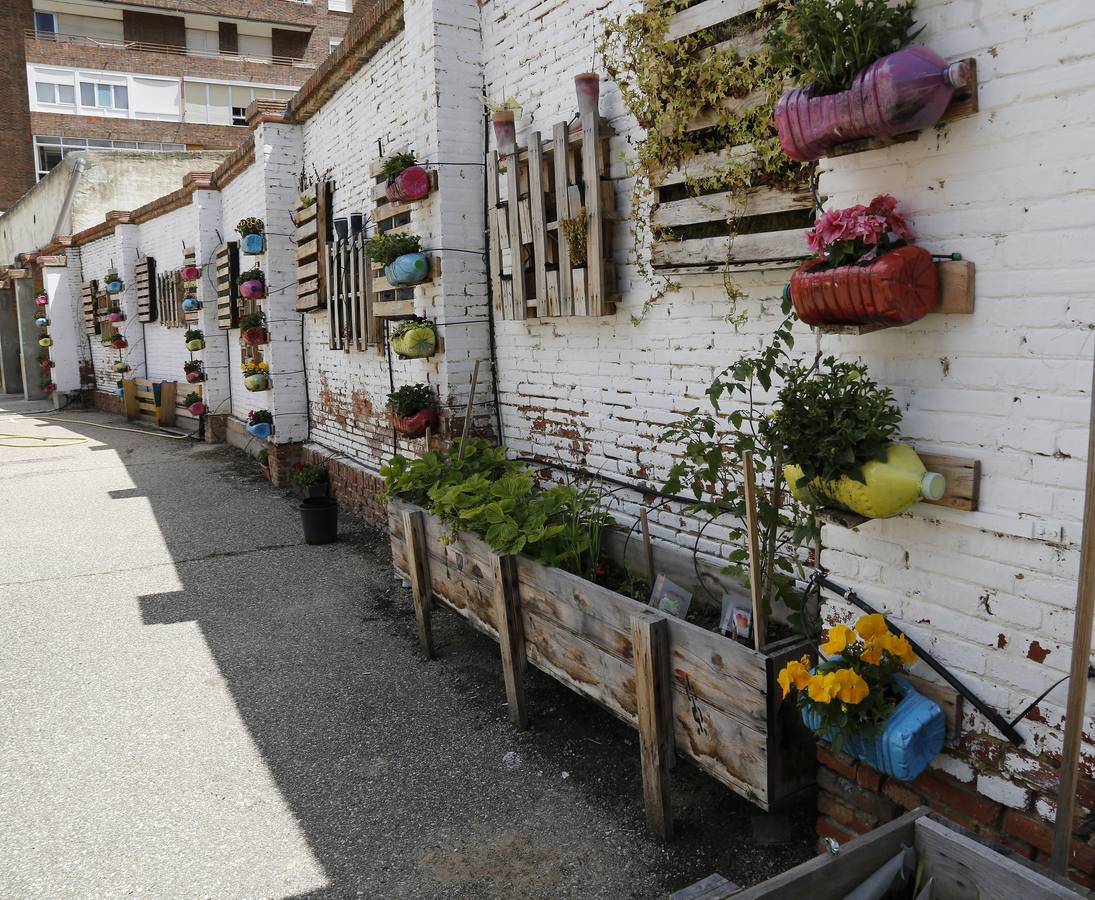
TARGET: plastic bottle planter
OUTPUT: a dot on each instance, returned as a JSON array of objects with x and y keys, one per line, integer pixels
[
  {"x": 119, "y": 391},
  {"x": 41, "y": 321},
  {"x": 114, "y": 284},
  {"x": 899, "y": 287},
  {"x": 45, "y": 342},
  {"x": 260, "y": 430},
  {"x": 911, "y": 738},
  {"x": 190, "y": 273},
  {"x": 116, "y": 316},
  {"x": 197, "y": 409},
  {"x": 191, "y": 303},
  {"x": 587, "y": 85},
  {"x": 413, "y": 183},
  {"x": 254, "y": 244},
  {"x": 410, "y": 268},
  {"x": 41, "y": 299},
  {"x": 897, "y": 94},
  {"x": 253, "y": 289},
  {"x": 255, "y": 335},
  {"x": 194, "y": 376},
  {"x": 46, "y": 363},
  {"x": 121, "y": 366},
  {"x": 891, "y": 486},
  {"x": 415, "y": 426},
  {"x": 196, "y": 344},
  {"x": 119, "y": 343},
  {"x": 257, "y": 382},
  {"x": 505, "y": 130},
  {"x": 49, "y": 388},
  {"x": 416, "y": 343}
]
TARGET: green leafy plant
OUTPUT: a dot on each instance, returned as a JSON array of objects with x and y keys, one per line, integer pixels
[
  {"x": 497, "y": 106},
  {"x": 826, "y": 43},
  {"x": 194, "y": 334},
  {"x": 574, "y": 233},
  {"x": 710, "y": 446},
  {"x": 263, "y": 457},
  {"x": 192, "y": 398},
  {"x": 410, "y": 399},
  {"x": 193, "y": 365},
  {"x": 396, "y": 163},
  {"x": 832, "y": 418},
  {"x": 251, "y": 225},
  {"x": 260, "y": 416},
  {"x": 384, "y": 248},
  {"x": 252, "y": 320},
  {"x": 255, "y": 274},
  {"x": 307, "y": 474},
  {"x": 411, "y": 324},
  {"x": 307, "y": 200}
]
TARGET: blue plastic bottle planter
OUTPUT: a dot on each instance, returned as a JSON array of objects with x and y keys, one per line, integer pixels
[
  {"x": 114, "y": 287},
  {"x": 912, "y": 738},
  {"x": 119, "y": 391},
  {"x": 410, "y": 268},
  {"x": 190, "y": 304},
  {"x": 254, "y": 244},
  {"x": 41, "y": 322},
  {"x": 261, "y": 430}
]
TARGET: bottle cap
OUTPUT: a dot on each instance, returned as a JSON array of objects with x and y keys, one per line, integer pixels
[
  {"x": 933, "y": 486},
  {"x": 958, "y": 75}
]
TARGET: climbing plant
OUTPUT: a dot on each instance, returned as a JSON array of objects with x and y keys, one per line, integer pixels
[{"x": 665, "y": 84}]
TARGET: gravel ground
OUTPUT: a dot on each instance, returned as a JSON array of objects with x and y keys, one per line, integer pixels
[{"x": 195, "y": 704}]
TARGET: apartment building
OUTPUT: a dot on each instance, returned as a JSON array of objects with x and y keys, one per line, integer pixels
[{"x": 147, "y": 75}]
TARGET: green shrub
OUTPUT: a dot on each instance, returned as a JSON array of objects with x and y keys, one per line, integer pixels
[
  {"x": 396, "y": 163},
  {"x": 411, "y": 399},
  {"x": 386, "y": 247}
]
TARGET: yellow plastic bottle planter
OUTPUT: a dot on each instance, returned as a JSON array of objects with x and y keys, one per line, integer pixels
[{"x": 891, "y": 486}]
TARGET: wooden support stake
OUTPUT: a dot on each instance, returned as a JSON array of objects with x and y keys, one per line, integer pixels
[
  {"x": 467, "y": 412},
  {"x": 648, "y": 548},
  {"x": 595, "y": 236},
  {"x": 1081, "y": 654},
  {"x": 418, "y": 565},
  {"x": 518, "y": 307},
  {"x": 561, "y": 153},
  {"x": 654, "y": 698},
  {"x": 511, "y": 636},
  {"x": 760, "y": 620}
]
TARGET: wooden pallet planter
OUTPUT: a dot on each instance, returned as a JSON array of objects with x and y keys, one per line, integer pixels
[
  {"x": 152, "y": 401},
  {"x": 690, "y": 691},
  {"x": 310, "y": 237},
  {"x": 530, "y": 194},
  {"x": 226, "y": 274},
  {"x": 169, "y": 296},
  {"x": 351, "y": 324},
  {"x": 190, "y": 258},
  {"x": 89, "y": 306},
  {"x": 144, "y": 276}
]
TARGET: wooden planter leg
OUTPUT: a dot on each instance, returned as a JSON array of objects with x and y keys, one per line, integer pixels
[
  {"x": 511, "y": 636},
  {"x": 650, "y": 647},
  {"x": 414, "y": 532}
]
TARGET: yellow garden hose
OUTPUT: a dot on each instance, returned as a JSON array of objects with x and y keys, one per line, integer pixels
[
  {"x": 43, "y": 441},
  {"x": 69, "y": 441}
]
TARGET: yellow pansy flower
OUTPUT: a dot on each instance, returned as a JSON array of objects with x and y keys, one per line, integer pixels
[
  {"x": 794, "y": 673},
  {"x": 840, "y": 636},
  {"x": 871, "y": 626},
  {"x": 872, "y": 655},
  {"x": 900, "y": 647},
  {"x": 849, "y": 686},
  {"x": 821, "y": 687}
]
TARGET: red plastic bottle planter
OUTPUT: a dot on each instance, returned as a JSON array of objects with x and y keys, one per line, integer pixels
[
  {"x": 255, "y": 336},
  {"x": 415, "y": 426},
  {"x": 904, "y": 92},
  {"x": 413, "y": 183},
  {"x": 897, "y": 288}
]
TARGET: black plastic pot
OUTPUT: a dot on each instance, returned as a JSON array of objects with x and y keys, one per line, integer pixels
[{"x": 319, "y": 516}]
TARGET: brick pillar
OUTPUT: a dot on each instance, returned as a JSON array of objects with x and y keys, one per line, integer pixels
[
  {"x": 215, "y": 390},
  {"x": 280, "y": 458}
]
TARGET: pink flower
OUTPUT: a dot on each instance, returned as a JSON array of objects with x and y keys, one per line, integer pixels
[
  {"x": 886, "y": 206},
  {"x": 883, "y": 205}
]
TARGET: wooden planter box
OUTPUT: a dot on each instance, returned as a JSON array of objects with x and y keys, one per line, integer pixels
[{"x": 689, "y": 691}]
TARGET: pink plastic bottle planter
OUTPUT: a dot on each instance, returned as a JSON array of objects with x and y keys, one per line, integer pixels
[
  {"x": 587, "y": 85},
  {"x": 41, "y": 299},
  {"x": 505, "y": 130},
  {"x": 413, "y": 183},
  {"x": 253, "y": 289},
  {"x": 197, "y": 409},
  {"x": 116, "y": 317},
  {"x": 191, "y": 273},
  {"x": 897, "y": 94}
]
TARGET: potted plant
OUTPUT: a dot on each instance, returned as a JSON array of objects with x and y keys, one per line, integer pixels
[
  {"x": 42, "y": 321},
  {"x": 858, "y": 700},
  {"x": 190, "y": 273},
  {"x": 115, "y": 314},
  {"x": 253, "y": 284},
  {"x": 263, "y": 458},
  {"x": 401, "y": 256},
  {"x": 45, "y": 342},
  {"x": 195, "y": 371},
  {"x": 253, "y": 328},
  {"x": 503, "y": 117},
  {"x": 41, "y": 299},
  {"x": 49, "y": 387},
  {"x": 310, "y": 480},
  {"x": 855, "y": 79},
  {"x": 121, "y": 366},
  {"x": 191, "y": 303},
  {"x": 412, "y": 409},
  {"x": 260, "y": 423},
  {"x": 835, "y": 427},
  {"x": 119, "y": 388},
  {"x": 253, "y": 232},
  {"x": 256, "y": 375},
  {"x": 406, "y": 179},
  {"x": 319, "y": 519},
  {"x": 113, "y": 283},
  {"x": 107, "y": 340},
  {"x": 45, "y": 362},
  {"x": 195, "y": 339},
  {"x": 414, "y": 338},
  {"x": 864, "y": 269},
  {"x": 193, "y": 402},
  {"x": 118, "y": 342},
  {"x": 587, "y": 85}
]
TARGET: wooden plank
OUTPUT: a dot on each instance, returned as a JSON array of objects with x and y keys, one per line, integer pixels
[
  {"x": 650, "y": 643},
  {"x": 307, "y": 232},
  {"x": 749, "y": 483},
  {"x": 539, "y": 220},
  {"x": 705, "y": 14},
  {"x": 721, "y": 207},
  {"x": 768, "y": 246},
  {"x": 393, "y": 309},
  {"x": 324, "y": 191},
  {"x": 328, "y": 256},
  {"x": 592, "y": 166},
  {"x": 966, "y": 869},
  {"x": 166, "y": 412},
  {"x": 949, "y": 700},
  {"x": 494, "y": 247},
  {"x": 713, "y": 887},
  {"x": 517, "y": 310},
  {"x": 306, "y": 214},
  {"x": 562, "y": 212},
  {"x": 963, "y": 476},
  {"x": 511, "y": 638},
  {"x": 711, "y": 116},
  {"x": 419, "y": 571}
]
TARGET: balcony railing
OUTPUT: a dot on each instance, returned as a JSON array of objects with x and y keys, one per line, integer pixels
[{"x": 109, "y": 44}]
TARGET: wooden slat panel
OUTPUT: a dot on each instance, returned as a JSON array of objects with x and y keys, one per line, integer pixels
[
  {"x": 227, "y": 264},
  {"x": 89, "y": 304},
  {"x": 963, "y": 476},
  {"x": 536, "y": 213},
  {"x": 144, "y": 277},
  {"x": 562, "y": 212},
  {"x": 494, "y": 246},
  {"x": 518, "y": 309},
  {"x": 706, "y": 14},
  {"x": 592, "y": 166},
  {"x": 721, "y": 207},
  {"x": 769, "y": 245}
]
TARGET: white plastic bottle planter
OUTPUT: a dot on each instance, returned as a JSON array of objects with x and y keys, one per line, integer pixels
[
  {"x": 41, "y": 321},
  {"x": 191, "y": 303}
]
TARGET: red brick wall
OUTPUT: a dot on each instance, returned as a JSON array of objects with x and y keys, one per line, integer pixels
[
  {"x": 197, "y": 137},
  {"x": 853, "y": 798},
  {"x": 15, "y": 143},
  {"x": 108, "y": 402}
]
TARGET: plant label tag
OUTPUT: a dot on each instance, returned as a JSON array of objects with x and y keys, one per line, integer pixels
[{"x": 670, "y": 598}]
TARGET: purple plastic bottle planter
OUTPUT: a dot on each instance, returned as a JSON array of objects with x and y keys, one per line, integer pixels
[{"x": 904, "y": 92}]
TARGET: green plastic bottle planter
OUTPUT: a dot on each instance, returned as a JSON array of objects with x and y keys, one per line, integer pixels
[
  {"x": 257, "y": 382},
  {"x": 45, "y": 342},
  {"x": 198, "y": 344}
]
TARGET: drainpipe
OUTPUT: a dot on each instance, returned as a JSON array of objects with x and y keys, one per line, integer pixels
[{"x": 62, "y": 226}]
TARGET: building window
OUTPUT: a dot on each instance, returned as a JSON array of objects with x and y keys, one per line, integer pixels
[
  {"x": 334, "y": 45},
  {"x": 239, "y": 115},
  {"x": 340, "y": 5},
  {"x": 56, "y": 94},
  {"x": 49, "y": 151},
  {"x": 45, "y": 24},
  {"x": 104, "y": 96}
]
